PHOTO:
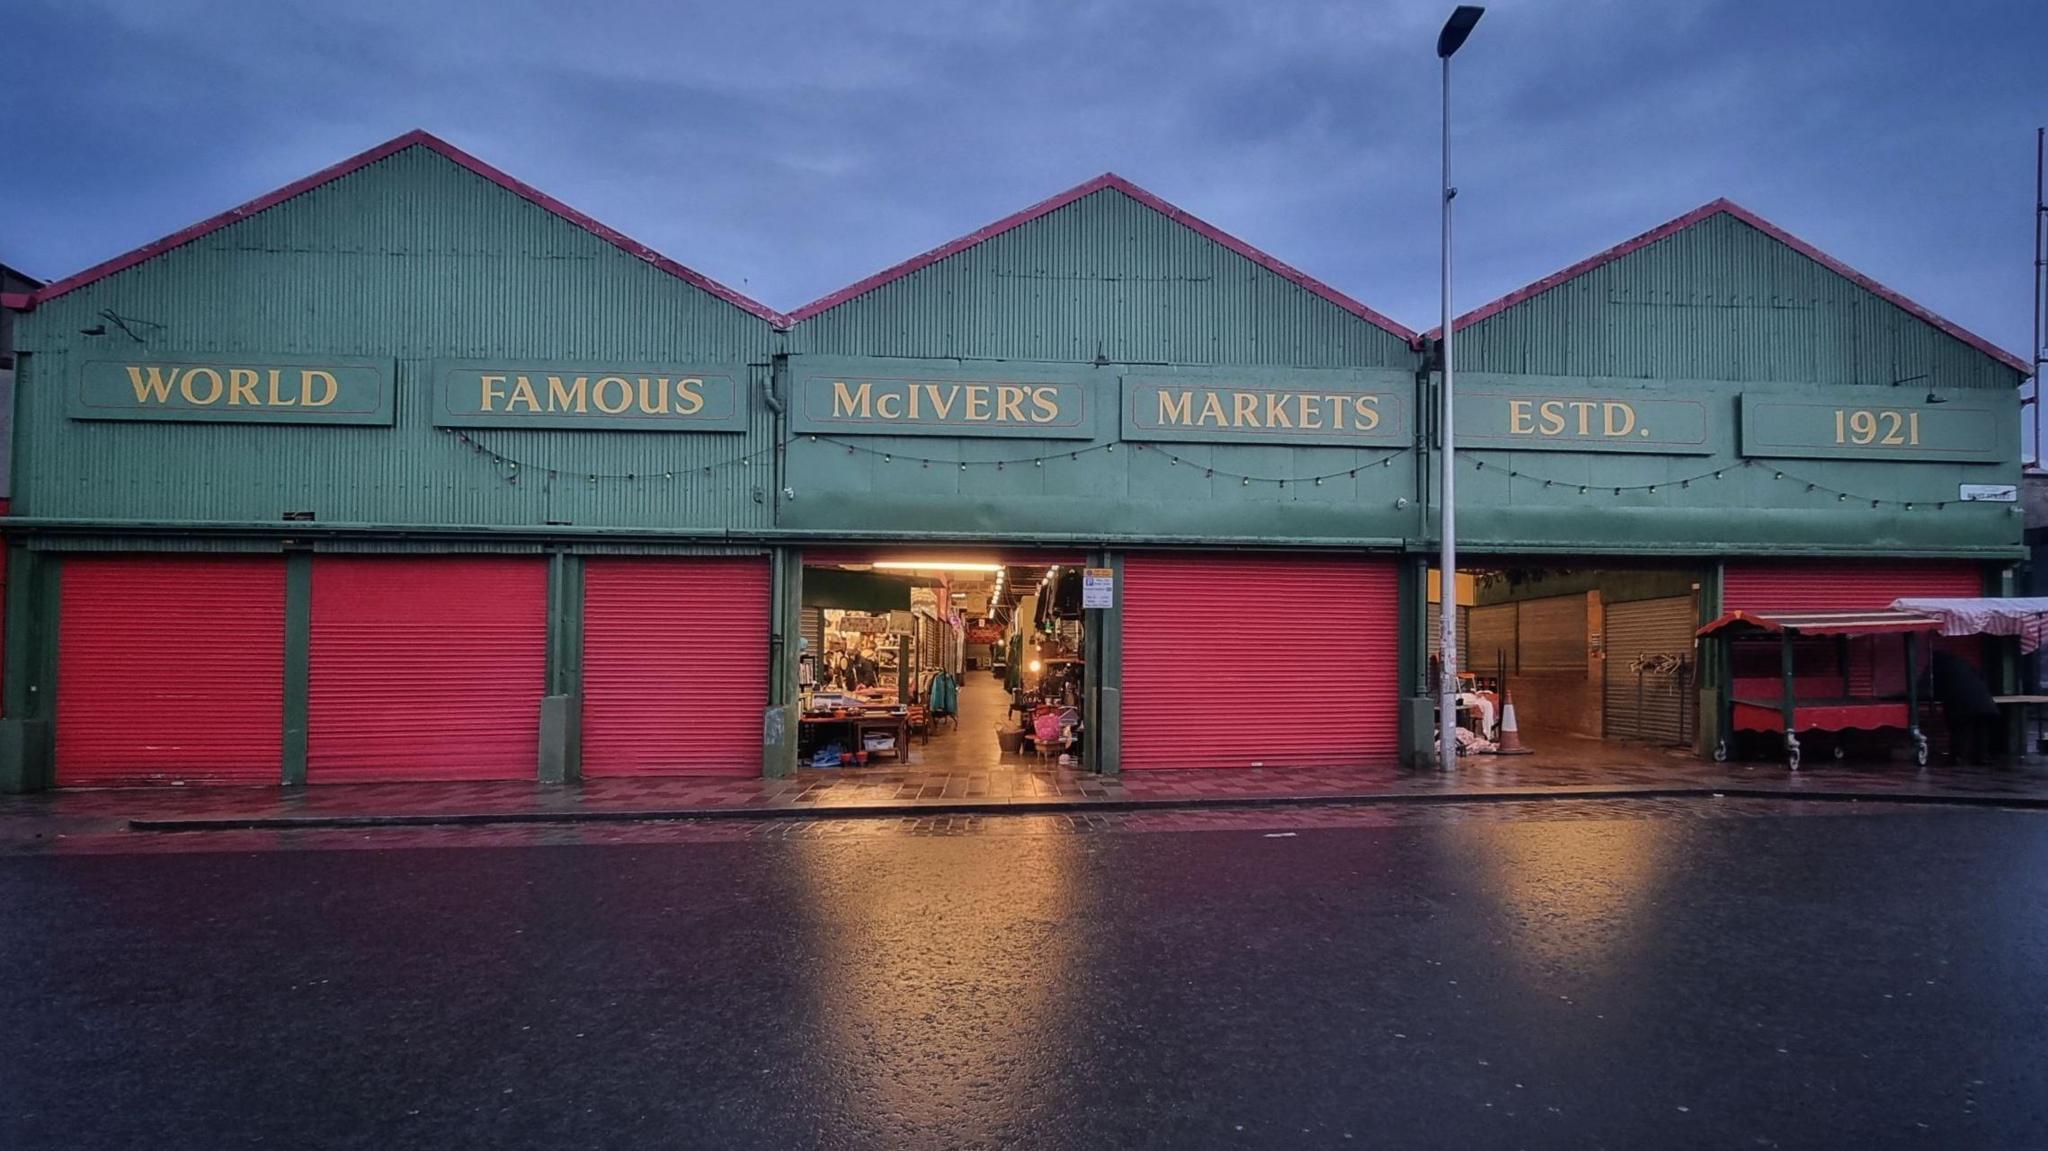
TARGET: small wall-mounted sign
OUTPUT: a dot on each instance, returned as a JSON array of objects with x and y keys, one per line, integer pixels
[
  {"x": 941, "y": 398},
  {"x": 1993, "y": 493},
  {"x": 1098, "y": 587},
  {"x": 1867, "y": 423}
]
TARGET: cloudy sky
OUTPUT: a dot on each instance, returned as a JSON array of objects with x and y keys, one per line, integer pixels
[{"x": 789, "y": 148}]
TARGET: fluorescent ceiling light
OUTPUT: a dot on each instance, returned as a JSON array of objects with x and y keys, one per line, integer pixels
[{"x": 935, "y": 566}]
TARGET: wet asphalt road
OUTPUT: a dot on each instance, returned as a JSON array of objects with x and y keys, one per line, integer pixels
[{"x": 1632, "y": 976}]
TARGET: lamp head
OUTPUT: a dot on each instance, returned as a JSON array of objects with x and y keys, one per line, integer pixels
[{"x": 1459, "y": 26}]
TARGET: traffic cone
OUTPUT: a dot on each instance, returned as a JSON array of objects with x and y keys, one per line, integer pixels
[{"x": 1510, "y": 736}]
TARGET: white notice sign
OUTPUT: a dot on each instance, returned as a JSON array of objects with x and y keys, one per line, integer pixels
[
  {"x": 1997, "y": 493},
  {"x": 1098, "y": 587}
]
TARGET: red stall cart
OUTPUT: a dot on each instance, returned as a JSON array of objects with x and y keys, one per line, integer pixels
[{"x": 1805, "y": 672}]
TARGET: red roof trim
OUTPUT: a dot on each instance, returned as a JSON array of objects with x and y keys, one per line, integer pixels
[
  {"x": 1106, "y": 180},
  {"x": 17, "y": 301},
  {"x": 1767, "y": 228},
  {"x": 426, "y": 140}
]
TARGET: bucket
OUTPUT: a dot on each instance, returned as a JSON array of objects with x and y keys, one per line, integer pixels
[{"x": 1011, "y": 742}]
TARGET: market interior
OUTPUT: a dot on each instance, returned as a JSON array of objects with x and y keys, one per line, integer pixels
[
  {"x": 1587, "y": 655},
  {"x": 959, "y": 662}
]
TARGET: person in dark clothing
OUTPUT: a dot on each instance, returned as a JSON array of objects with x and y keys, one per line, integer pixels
[{"x": 1966, "y": 705}]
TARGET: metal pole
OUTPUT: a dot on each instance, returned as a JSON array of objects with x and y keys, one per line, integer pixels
[
  {"x": 2040, "y": 272},
  {"x": 1447, "y": 563}
]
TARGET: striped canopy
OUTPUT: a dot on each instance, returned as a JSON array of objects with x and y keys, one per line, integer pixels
[
  {"x": 1881, "y": 621},
  {"x": 2026, "y": 618}
]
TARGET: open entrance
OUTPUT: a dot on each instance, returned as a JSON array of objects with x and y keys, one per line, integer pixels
[
  {"x": 953, "y": 663},
  {"x": 1599, "y": 662}
]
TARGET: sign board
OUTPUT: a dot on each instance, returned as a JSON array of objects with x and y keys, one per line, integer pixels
[
  {"x": 1994, "y": 493},
  {"x": 1309, "y": 408},
  {"x": 863, "y": 623},
  {"x": 253, "y": 389},
  {"x": 1098, "y": 587},
  {"x": 942, "y": 398},
  {"x": 1577, "y": 415},
  {"x": 615, "y": 397},
  {"x": 1867, "y": 423}
]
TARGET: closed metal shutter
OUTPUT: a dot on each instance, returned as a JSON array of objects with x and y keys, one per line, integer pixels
[
  {"x": 812, "y": 627},
  {"x": 1242, "y": 661},
  {"x": 1801, "y": 585},
  {"x": 1552, "y": 631},
  {"x": 675, "y": 666},
  {"x": 170, "y": 668},
  {"x": 1649, "y": 669},
  {"x": 1493, "y": 637},
  {"x": 426, "y": 668},
  {"x": 1433, "y": 615}
]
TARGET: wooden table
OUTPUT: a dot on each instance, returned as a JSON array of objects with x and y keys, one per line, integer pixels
[{"x": 860, "y": 725}]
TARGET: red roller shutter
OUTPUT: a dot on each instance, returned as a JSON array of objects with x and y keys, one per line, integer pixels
[
  {"x": 675, "y": 666},
  {"x": 1852, "y": 584},
  {"x": 170, "y": 668},
  {"x": 1236, "y": 661},
  {"x": 426, "y": 668},
  {"x": 1805, "y": 585}
]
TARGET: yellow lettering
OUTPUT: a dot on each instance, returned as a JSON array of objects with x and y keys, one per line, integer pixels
[
  {"x": 277, "y": 400},
  {"x": 941, "y": 408},
  {"x": 191, "y": 395},
  {"x": 1520, "y": 422},
  {"x": 911, "y": 391},
  {"x": 625, "y": 395},
  {"x": 306, "y": 378},
  {"x": 1336, "y": 411},
  {"x": 689, "y": 396},
  {"x": 1246, "y": 413},
  {"x": 1276, "y": 411},
  {"x": 1170, "y": 413},
  {"x": 242, "y": 386},
  {"x": 1309, "y": 405},
  {"x": 155, "y": 386},
  {"x": 491, "y": 394},
  {"x": 654, "y": 396},
  {"x": 523, "y": 393},
  {"x": 563, "y": 397},
  {"x": 848, "y": 402},
  {"x": 1045, "y": 406},
  {"x": 1585, "y": 410},
  {"x": 889, "y": 406},
  {"x": 977, "y": 401},
  {"x": 1613, "y": 408},
  {"x": 1010, "y": 403},
  {"x": 1551, "y": 413},
  {"x": 1368, "y": 412},
  {"x": 1212, "y": 408}
]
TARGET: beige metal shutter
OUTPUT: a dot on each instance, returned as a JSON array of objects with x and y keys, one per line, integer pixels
[
  {"x": 1553, "y": 633},
  {"x": 1464, "y": 637},
  {"x": 1492, "y": 636},
  {"x": 1649, "y": 670}
]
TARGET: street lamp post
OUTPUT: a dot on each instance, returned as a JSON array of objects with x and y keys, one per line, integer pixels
[{"x": 1448, "y": 41}]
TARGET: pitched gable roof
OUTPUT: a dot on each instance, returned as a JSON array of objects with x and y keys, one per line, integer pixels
[
  {"x": 1108, "y": 180},
  {"x": 410, "y": 139},
  {"x": 1731, "y": 208}
]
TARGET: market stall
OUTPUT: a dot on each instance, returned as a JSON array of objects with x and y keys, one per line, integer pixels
[{"x": 1873, "y": 689}]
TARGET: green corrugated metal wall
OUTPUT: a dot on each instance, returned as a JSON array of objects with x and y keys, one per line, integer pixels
[
  {"x": 1711, "y": 308},
  {"x": 412, "y": 257},
  {"x": 1721, "y": 301},
  {"x": 1109, "y": 277}
]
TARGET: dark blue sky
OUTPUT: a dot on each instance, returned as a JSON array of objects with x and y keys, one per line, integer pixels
[{"x": 790, "y": 148}]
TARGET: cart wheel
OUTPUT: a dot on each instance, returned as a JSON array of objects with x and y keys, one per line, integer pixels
[
  {"x": 1792, "y": 752},
  {"x": 1840, "y": 752},
  {"x": 1721, "y": 752},
  {"x": 1920, "y": 750}
]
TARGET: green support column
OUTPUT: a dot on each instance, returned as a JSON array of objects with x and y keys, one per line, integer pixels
[
  {"x": 1103, "y": 656},
  {"x": 561, "y": 709},
  {"x": 1711, "y": 684},
  {"x": 785, "y": 631},
  {"x": 298, "y": 662},
  {"x": 27, "y": 741},
  {"x": 1418, "y": 707}
]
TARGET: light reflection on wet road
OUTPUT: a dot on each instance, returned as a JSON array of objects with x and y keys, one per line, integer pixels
[{"x": 1630, "y": 974}]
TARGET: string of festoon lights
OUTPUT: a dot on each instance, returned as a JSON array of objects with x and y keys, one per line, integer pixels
[
  {"x": 1208, "y": 470},
  {"x": 1778, "y": 475},
  {"x": 512, "y": 467}
]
